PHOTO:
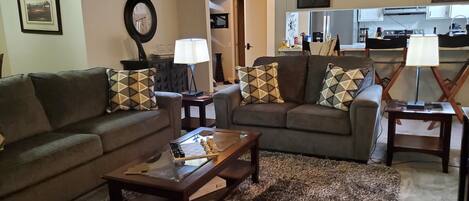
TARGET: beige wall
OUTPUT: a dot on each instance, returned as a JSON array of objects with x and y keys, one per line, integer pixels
[
  {"x": 44, "y": 53},
  {"x": 107, "y": 40},
  {"x": 271, "y": 47},
  {"x": 194, "y": 23},
  {"x": 223, "y": 39},
  {"x": 3, "y": 48}
]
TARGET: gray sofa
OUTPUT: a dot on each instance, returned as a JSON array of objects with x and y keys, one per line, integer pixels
[
  {"x": 300, "y": 125},
  {"x": 60, "y": 141}
]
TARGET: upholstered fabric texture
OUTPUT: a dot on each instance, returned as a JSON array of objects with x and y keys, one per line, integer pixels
[
  {"x": 122, "y": 127},
  {"x": 317, "y": 118},
  {"x": 72, "y": 96},
  {"x": 271, "y": 115},
  {"x": 259, "y": 84},
  {"x": 21, "y": 113},
  {"x": 131, "y": 90},
  {"x": 340, "y": 86},
  {"x": 34, "y": 159},
  {"x": 292, "y": 72}
]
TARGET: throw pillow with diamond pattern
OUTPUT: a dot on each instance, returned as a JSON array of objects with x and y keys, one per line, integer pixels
[
  {"x": 340, "y": 86},
  {"x": 259, "y": 84},
  {"x": 131, "y": 90}
]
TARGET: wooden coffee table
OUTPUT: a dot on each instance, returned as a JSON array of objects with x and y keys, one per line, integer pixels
[{"x": 227, "y": 166}]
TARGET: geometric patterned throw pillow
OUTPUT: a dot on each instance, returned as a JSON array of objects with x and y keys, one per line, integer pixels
[
  {"x": 259, "y": 84},
  {"x": 131, "y": 89},
  {"x": 340, "y": 87}
]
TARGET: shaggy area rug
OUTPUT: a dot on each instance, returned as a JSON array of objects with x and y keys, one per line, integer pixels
[{"x": 287, "y": 177}]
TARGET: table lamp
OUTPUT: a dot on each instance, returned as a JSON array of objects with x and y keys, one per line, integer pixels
[
  {"x": 423, "y": 51},
  {"x": 191, "y": 51}
]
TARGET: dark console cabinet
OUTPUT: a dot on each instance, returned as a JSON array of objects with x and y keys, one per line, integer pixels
[{"x": 169, "y": 76}]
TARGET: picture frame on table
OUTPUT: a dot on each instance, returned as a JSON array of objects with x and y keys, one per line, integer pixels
[
  {"x": 313, "y": 3},
  {"x": 40, "y": 16}
]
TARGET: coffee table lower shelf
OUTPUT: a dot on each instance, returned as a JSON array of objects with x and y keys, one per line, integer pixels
[{"x": 234, "y": 175}]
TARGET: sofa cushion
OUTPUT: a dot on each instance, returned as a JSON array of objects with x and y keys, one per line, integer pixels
[
  {"x": 259, "y": 84},
  {"x": 122, "y": 127},
  {"x": 37, "y": 158},
  {"x": 21, "y": 113},
  {"x": 72, "y": 96},
  {"x": 271, "y": 115},
  {"x": 317, "y": 70},
  {"x": 319, "y": 119},
  {"x": 291, "y": 75},
  {"x": 131, "y": 89}
]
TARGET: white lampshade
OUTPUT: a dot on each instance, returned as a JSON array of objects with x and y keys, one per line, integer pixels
[
  {"x": 191, "y": 51},
  {"x": 423, "y": 51}
]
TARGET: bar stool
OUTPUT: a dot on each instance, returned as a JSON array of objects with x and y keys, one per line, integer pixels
[
  {"x": 386, "y": 44},
  {"x": 451, "y": 87},
  {"x": 325, "y": 48}
]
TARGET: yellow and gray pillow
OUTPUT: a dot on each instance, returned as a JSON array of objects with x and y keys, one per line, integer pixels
[
  {"x": 340, "y": 86},
  {"x": 259, "y": 84},
  {"x": 131, "y": 89}
]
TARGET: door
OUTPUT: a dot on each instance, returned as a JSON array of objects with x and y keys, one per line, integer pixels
[{"x": 255, "y": 22}]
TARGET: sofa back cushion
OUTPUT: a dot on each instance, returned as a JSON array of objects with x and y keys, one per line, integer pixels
[
  {"x": 291, "y": 75},
  {"x": 72, "y": 96},
  {"x": 317, "y": 66},
  {"x": 21, "y": 113}
]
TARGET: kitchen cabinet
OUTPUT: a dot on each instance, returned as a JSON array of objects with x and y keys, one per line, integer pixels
[
  {"x": 459, "y": 10},
  {"x": 438, "y": 12},
  {"x": 370, "y": 15}
]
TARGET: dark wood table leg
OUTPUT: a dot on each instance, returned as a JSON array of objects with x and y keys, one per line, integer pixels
[
  {"x": 115, "y": 192},
  {"x": 391, "y": 133},
  {"x": 446, "y": 142},
  {"x": 463, "y": 187},
  {"x": 202, "y": 115},
  {"x": 255, "y": 162},
  {"x": 187, "y": 111}
]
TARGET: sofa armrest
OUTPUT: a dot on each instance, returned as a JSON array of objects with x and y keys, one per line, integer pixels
[
  {"x": 365, "y": 120},
  {"x": 226, "y": 101},
  {"x": 173, "y": 103}
]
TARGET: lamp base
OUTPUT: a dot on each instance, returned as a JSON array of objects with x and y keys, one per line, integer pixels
[
  {"x": 415, "y": 105},
  {"x": 192, "y": 93}
]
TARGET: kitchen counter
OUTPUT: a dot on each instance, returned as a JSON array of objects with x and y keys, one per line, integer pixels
[
  {"x": 357, "y": 47},
  {"x": 360, "y": 47}
]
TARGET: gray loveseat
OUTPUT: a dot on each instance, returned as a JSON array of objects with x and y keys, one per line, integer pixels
[
  {"x": 300, "y": 125},
  {"x": 59, "y": 139}
]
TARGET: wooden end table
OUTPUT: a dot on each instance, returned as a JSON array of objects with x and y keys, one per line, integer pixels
[
  {"x": 463, "y": 167},
  {"x": 226, "y": 165},
  {"x": 190, "y": 123},
  {"x": 438, "y": 146}
]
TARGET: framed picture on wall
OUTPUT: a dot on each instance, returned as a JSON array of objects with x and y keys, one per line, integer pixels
[
  {"x": 219, "y": 21},
  {"x": 313, "y": 3},
  {"x": 40, "y": 16}
]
